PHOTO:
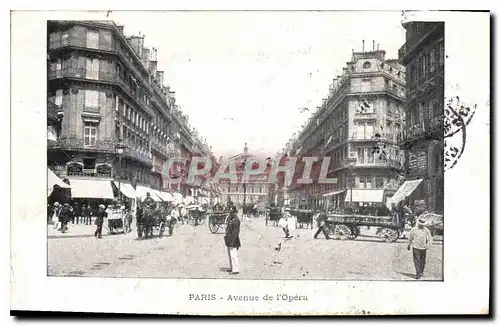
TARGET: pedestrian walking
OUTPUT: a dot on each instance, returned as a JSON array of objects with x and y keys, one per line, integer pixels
[
  {"x": 395, "y": 215},
  {"x": 55, "y": 214},
  {"x": 127, "y": 221},
  {"x": 419, "y": 239},
  {"x": 64, "y": 218},
  {"x": 100, "y": 215},
  {"x": 288, "y": 224},
  {"x": 77, "y": 211},
  {"x": 321, "y": 220},
  {"x": 232, "y": 240}
]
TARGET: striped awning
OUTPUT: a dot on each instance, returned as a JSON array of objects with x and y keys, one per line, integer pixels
[
  {"x": 126, "y": 189},
  {"x": 406, "y": 189}
]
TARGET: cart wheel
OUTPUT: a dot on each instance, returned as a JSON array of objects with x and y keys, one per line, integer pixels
[
  {"x": 388, "y": 235},
  {"x": 214, "y": 227},
  {"x": 201, "y": 221},
  {"x": 342, "y": 232},
  {"x": 162, "y": 229},
  {"x": 355, "y": 231}
]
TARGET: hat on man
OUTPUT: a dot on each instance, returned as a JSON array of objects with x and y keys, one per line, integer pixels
[
  {"x": 56, "y": 204},
  {"x": 420, "y": 221},
  {"x": 66, "y": 204},
  {"x": 102, "y": 206}
]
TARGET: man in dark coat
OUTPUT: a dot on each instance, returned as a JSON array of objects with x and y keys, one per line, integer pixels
[
  {"x": 232, "y": 240},
  {"x": 64, "y": 217},
  {"x": 322, "y": 228},
  {"x": 100, "y": 215}
]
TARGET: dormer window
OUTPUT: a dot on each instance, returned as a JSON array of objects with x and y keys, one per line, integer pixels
[{"x": 367, "y": 65}]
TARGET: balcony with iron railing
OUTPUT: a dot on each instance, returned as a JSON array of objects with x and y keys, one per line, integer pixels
[
  {"x": 102, "y": 77},
  {"x": 383, "y": 137},
  {"x": 131, "y": 60},
  {"x": 430, "y": 127},
  {"x": 417, "y": 32}
]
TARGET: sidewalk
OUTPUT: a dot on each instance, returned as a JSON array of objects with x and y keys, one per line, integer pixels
[{"x": 82, "y": 231}]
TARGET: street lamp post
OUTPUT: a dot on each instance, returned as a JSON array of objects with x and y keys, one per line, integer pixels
[
  {"x": 351, "y": 169},
  {"x": 120, "y": 149}
]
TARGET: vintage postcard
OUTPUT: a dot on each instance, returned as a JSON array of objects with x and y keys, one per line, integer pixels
[{"x": 250, "y": 162}]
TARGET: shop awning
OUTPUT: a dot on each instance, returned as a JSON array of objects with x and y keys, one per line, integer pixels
[
  {"x": 406, "y": 189},
  {"x": 126, "y": 189},
  {"x": 365, "y": 195},
  {"x": 54, "y": 180},
  {"x": 333, "y": 193},
  {"x": 142, "y": 191},
  {"x": 166, "y": 196},
  {"x": 51, "y": 135},
  {"x": 157, "y": 194},
  {"x": 83, "y": 188}
]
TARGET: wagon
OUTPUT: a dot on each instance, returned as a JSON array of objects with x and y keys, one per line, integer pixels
[
  {"x": 149, "y": 221},
  {"x": 343, "y": 226},
  {"x": 304, "y": 217},
  {"x": 196, "y": 214},
  {"x": 217, "y": 220},
  {"x": 115, "y": 221},
  {"x": 273, "y": 214}
]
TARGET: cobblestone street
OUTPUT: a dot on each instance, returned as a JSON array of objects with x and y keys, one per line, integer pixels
[{"x": 194, "y": 252}]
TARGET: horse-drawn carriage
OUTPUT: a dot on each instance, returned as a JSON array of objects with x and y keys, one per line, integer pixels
[
  {"x": 150, "y": 219},
  {"x": 196, "y": 214},
  {"x": 217, "y": 220},
  {"x": 273, "y": 214},
  {"x": 343, "y": 226},
  {"x": 304, "y": 217}
]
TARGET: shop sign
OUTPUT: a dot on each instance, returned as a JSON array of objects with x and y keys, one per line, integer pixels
[
  {"x": 74, "y": 167},
  {"x": 104, "y": 169}
]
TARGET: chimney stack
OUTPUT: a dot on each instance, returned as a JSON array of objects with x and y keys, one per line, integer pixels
[
  {"x": 363, "y": 49},
  {"x": 378, "y": 46},
  {"x": 373, "y": 45}
]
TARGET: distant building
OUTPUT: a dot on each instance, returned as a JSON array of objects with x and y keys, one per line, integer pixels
[
  {"x": 254, "y": 190},
  {"x": 422, "y": 137},
  {"x": 356, "y": 126}
]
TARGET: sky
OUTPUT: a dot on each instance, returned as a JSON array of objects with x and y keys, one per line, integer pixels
[{"x": 243, "y": 76}]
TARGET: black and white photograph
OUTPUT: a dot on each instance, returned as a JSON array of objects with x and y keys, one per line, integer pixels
[{"x": 202, "y": 146}]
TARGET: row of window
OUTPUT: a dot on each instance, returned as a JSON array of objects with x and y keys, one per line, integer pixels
[
  {"x": 429, "y": 108},
  {"x": 91, "y": 99},
  {"x": 427, "y": 63},
  {"x": 363, "y": 182},
  {"x": 250, "y": 189},
  {"x": 136, "y": 141},
  {"x": 92, "y": 38},
  {"x": 90, "y": 68}
]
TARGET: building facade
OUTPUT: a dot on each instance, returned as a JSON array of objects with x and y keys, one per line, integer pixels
[
  {"x": 356, "y": 126},
  {"x": 116, "y": 118},
  {"x": 423, "y": 135},
  {"x": 253, "y": 190}
]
